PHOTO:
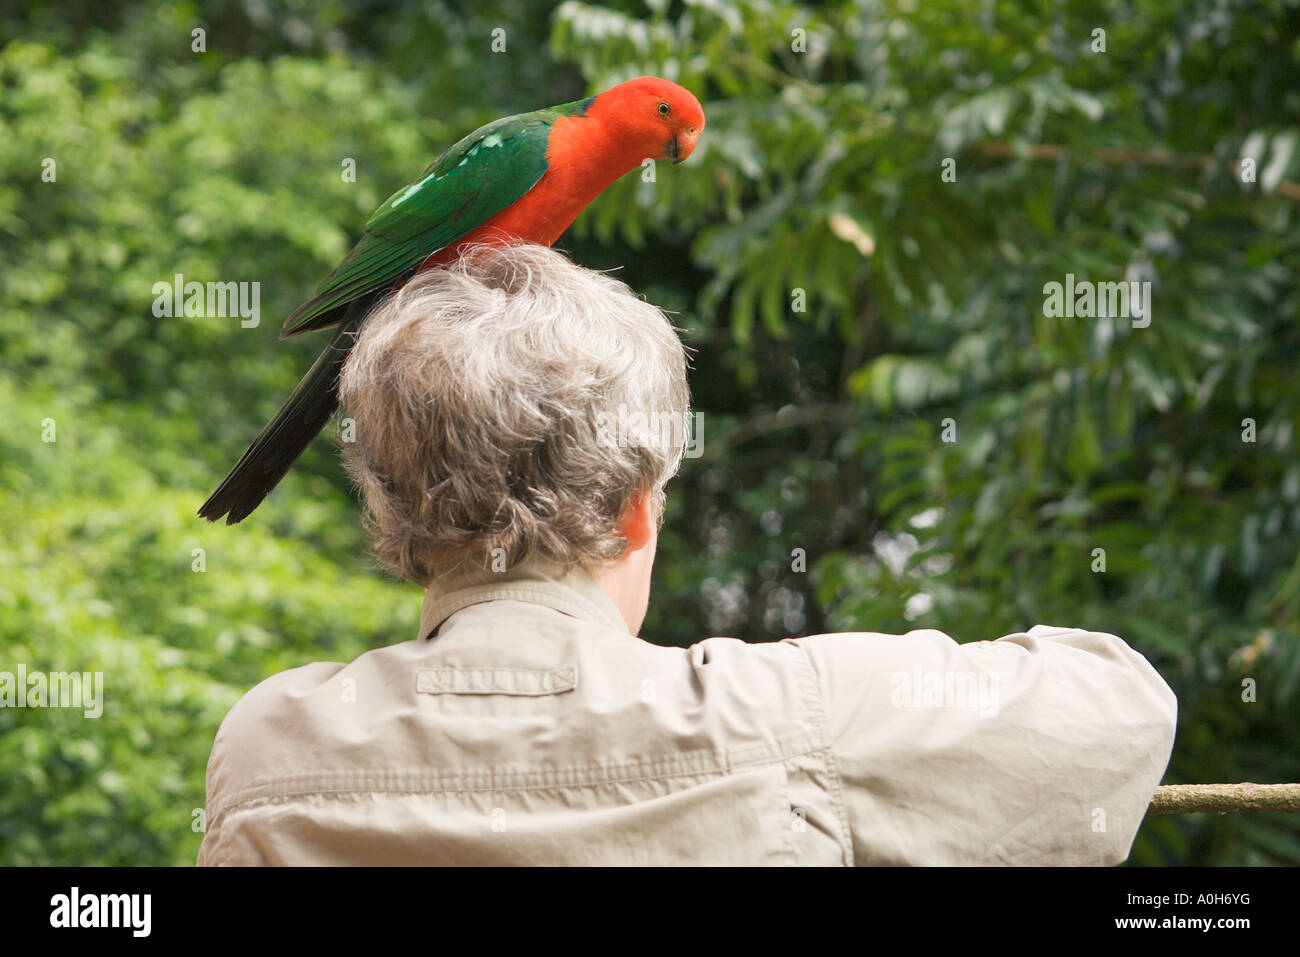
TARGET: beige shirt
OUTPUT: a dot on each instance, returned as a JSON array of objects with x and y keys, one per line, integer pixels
[{"x": 532, "y": 728}]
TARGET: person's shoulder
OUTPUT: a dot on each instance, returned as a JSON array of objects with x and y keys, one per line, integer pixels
[
  {"x": 736, "y": 652},
  {"x": 287, "y": 700},
  {"x": 773, "y": 671},
  {"x": 271, "y": 730},
  {"x": 268, "y": 721},
  {"x": 276, "y": 695}
]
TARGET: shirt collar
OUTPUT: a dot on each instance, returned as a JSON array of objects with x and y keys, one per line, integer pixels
[{"x": 568, "y": 589}]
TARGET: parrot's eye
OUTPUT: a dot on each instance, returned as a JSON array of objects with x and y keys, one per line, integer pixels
[{"x": 664, "y": 108}]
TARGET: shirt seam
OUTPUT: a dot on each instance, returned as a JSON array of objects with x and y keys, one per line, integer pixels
[
  {"x": 813, "y": 701},
  {"x": 589, "y": 776},
  {"x": 724, "y": 771}
]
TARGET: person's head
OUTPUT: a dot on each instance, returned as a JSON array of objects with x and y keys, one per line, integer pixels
[{"x": 515, "y": 405}]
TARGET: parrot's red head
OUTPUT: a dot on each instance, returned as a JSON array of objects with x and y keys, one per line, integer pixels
[{"x": 655, "y": 118}]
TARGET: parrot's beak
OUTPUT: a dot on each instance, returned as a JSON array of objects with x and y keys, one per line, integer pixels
[{"x": 682, "y": 145}]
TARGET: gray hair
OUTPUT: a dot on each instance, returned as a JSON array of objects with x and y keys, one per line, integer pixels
[{"x": 489, "y": 402}]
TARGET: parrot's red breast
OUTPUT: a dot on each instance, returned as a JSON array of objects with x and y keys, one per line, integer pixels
[{"x": 623, "y": 127}]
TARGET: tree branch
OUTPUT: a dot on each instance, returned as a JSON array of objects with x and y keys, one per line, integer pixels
[
  {"x": 791, "y": 416},
  {"x": 1223, "y": 798},
  {"x": 1050, "y": 153}
]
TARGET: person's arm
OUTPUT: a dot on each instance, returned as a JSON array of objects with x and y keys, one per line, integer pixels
[
  {"x": 1038, "y": 748},
  {"x": 257, "y": 744},
  {"x": 218, "y": 847}
]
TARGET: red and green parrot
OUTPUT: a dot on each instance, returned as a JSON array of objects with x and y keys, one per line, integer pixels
[{"x": 522, "y": 178}]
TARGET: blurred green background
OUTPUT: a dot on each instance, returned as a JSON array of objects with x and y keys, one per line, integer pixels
[{"x": 844, "y": 300}]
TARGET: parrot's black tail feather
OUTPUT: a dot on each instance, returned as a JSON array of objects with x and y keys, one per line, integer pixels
[{"x": 299, "y": 420}]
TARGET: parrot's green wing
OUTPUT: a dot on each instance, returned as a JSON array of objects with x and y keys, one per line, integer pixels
[{"x": 468, "y": 184}]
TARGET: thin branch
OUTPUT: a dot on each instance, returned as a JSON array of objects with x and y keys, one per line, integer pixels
[
  {"x": 1051, "y": 152},
  {"x": 784, "y": 418},
  {"x": 1225, "y": 798}
]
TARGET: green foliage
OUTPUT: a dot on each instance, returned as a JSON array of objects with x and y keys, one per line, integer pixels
[{"x": 817, "y": 184}]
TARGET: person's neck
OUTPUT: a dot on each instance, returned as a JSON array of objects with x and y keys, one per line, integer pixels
[{"x": 627, "y": 583}]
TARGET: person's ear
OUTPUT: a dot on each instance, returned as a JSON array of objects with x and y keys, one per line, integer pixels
[{"x": 638, "y": 523}]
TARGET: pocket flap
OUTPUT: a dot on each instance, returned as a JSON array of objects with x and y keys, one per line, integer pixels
[{"x": 512, "y": 681}]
